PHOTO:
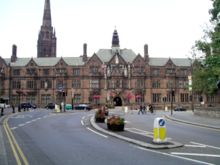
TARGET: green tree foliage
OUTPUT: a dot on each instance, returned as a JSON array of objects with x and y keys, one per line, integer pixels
[{"x": 207, "y": 73}]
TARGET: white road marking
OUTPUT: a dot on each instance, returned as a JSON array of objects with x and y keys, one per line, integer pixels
[
  {"x": 175, "y": 156},
  {"x": 13, "y": 128},
  {"x": 28, "y": 122},
  {"x": 21, "y": 125},
  {"x": 18, "y": 117},
  {"x": 82, "y": 122},
  {"x": 194, "y": 146},
  {"x": 218, "y": 148},
  {"x": 195, "y": 154},
  {"x": 97, "y": 132}
]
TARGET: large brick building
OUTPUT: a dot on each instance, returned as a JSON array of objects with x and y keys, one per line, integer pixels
[{"x": 114, "y": 76}]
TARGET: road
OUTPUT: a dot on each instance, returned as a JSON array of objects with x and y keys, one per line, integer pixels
[{"x": 48, "y": 138}]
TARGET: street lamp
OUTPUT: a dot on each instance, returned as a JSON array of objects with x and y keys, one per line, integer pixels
[{"x": 191, "y": 92}]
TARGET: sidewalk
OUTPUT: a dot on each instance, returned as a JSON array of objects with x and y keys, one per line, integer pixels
[
  {"x": 145, "y": 140},
  {"x": 189, "y": 118}
]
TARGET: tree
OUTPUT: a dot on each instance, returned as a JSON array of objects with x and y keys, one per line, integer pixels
[{"x": 207, "y": 73}]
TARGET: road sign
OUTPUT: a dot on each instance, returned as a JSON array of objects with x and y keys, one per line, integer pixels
[{"x": 161, "y": 122}]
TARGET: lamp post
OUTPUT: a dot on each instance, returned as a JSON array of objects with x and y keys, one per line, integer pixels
[{"x": 191, "y": 92}]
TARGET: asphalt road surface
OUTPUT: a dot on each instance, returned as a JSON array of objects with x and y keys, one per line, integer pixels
[{"x": 48, "y": 138}]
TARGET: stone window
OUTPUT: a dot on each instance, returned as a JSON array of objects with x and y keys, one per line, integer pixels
[
  {"x": 76, "y": 84},
  {"x": 184, "y": 97},
  {"x": 76, "y": 72},
  {"x": 16, "y": 84},
  {"x": 156, "y": 84},
  {"x": 16, "y": 72},
  {"x": 31, "y": 84},
  {"x": 156, "y": 97},
  {"x": 46, "y": 72},
  {"x": 94, "y": 84},
  {"x": 156, "y": 72},
  {"x": 139, "y": 83},
  {"x": 45, "y": 84}
]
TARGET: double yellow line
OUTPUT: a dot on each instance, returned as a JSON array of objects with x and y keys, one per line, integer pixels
[{"x": 18, "y": 153}]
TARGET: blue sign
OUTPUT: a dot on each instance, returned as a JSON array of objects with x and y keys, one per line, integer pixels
[{"x": 161, "y": 122}]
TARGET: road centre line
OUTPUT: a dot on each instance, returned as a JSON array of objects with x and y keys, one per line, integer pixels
[
  {"x": 21, "y": 125},
  {"x": 175, "y": 156},
  {"x": 97, "y": 132},
  {"x": 13, "y": 128},
  {"x": 195, "y": 154}
]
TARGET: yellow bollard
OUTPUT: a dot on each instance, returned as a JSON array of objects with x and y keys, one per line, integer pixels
[
  {"x": 57, "y": 108},
  {"x": 160, "y": 130}
]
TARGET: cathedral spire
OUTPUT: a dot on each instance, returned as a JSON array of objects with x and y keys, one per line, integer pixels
[
  {"x": 47, "y": 14},
  {"x": 46, "y": 44}
]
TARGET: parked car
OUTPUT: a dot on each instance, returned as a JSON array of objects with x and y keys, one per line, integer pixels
[
  {"x": 179, "y": 108},
  {"x": 27, "y": 105},
  {"x": 4, "y": 105},
  {"x": 82, "y": 107},
  {"x": 68, "y": 106},
  {"x": 50, "y": 106}
]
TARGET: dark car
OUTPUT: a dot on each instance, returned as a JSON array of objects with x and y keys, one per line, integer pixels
[
  {"x": 180, "y": 109},
  {"x": 27, "y": 106},
  {"x": 50, "y": 106},
  {"x": 82, "y": 107}
]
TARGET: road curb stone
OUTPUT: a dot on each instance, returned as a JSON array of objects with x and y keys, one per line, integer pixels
[{"x": 133, "y": 141}]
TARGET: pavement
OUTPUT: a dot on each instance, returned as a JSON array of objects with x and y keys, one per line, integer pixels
[{"x": 139, "y": 122}]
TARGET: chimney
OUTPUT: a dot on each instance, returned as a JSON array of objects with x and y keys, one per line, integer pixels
[
  {"x": 146, "y": 55},
  {"x": 84, "y": 52},
  {"x": 14, "y": 53},
  {"x": 145, "y": 50}
]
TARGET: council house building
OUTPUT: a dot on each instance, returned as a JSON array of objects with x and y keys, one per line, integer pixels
[{"x": 113, "y": 76}]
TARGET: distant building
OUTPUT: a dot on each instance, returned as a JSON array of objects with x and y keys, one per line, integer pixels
[{"x": 110, "y": 76}]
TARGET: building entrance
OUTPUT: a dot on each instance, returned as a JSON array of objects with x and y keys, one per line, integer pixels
[{"x": 117, "y": 101}]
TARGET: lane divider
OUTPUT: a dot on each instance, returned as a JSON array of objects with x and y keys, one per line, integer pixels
[{"x": 18, "y": 153}]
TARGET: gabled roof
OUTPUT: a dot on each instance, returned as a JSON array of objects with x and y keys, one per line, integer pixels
[
  {"x": 106, "y": 55},
  {"x": 163, "y": 61},
  {"x": 47, "y": 61}
]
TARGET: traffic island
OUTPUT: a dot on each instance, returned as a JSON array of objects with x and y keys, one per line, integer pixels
[{"x": 134, "y": 138}]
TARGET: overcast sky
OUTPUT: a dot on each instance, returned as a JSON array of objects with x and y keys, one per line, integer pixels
[{"x": 169, "y": 27}]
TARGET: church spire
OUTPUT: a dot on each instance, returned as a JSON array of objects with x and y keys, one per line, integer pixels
[
  {"x": 47, "y": 14},
  {"x": 46, "y": 44}
]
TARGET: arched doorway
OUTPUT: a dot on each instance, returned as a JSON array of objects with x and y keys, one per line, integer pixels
[{"x": 117, "y": 101}]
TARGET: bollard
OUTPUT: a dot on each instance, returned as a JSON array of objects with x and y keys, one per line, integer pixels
[
  {"x": 159, "y": 130},
  {"x": 57, "y": 108}
]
